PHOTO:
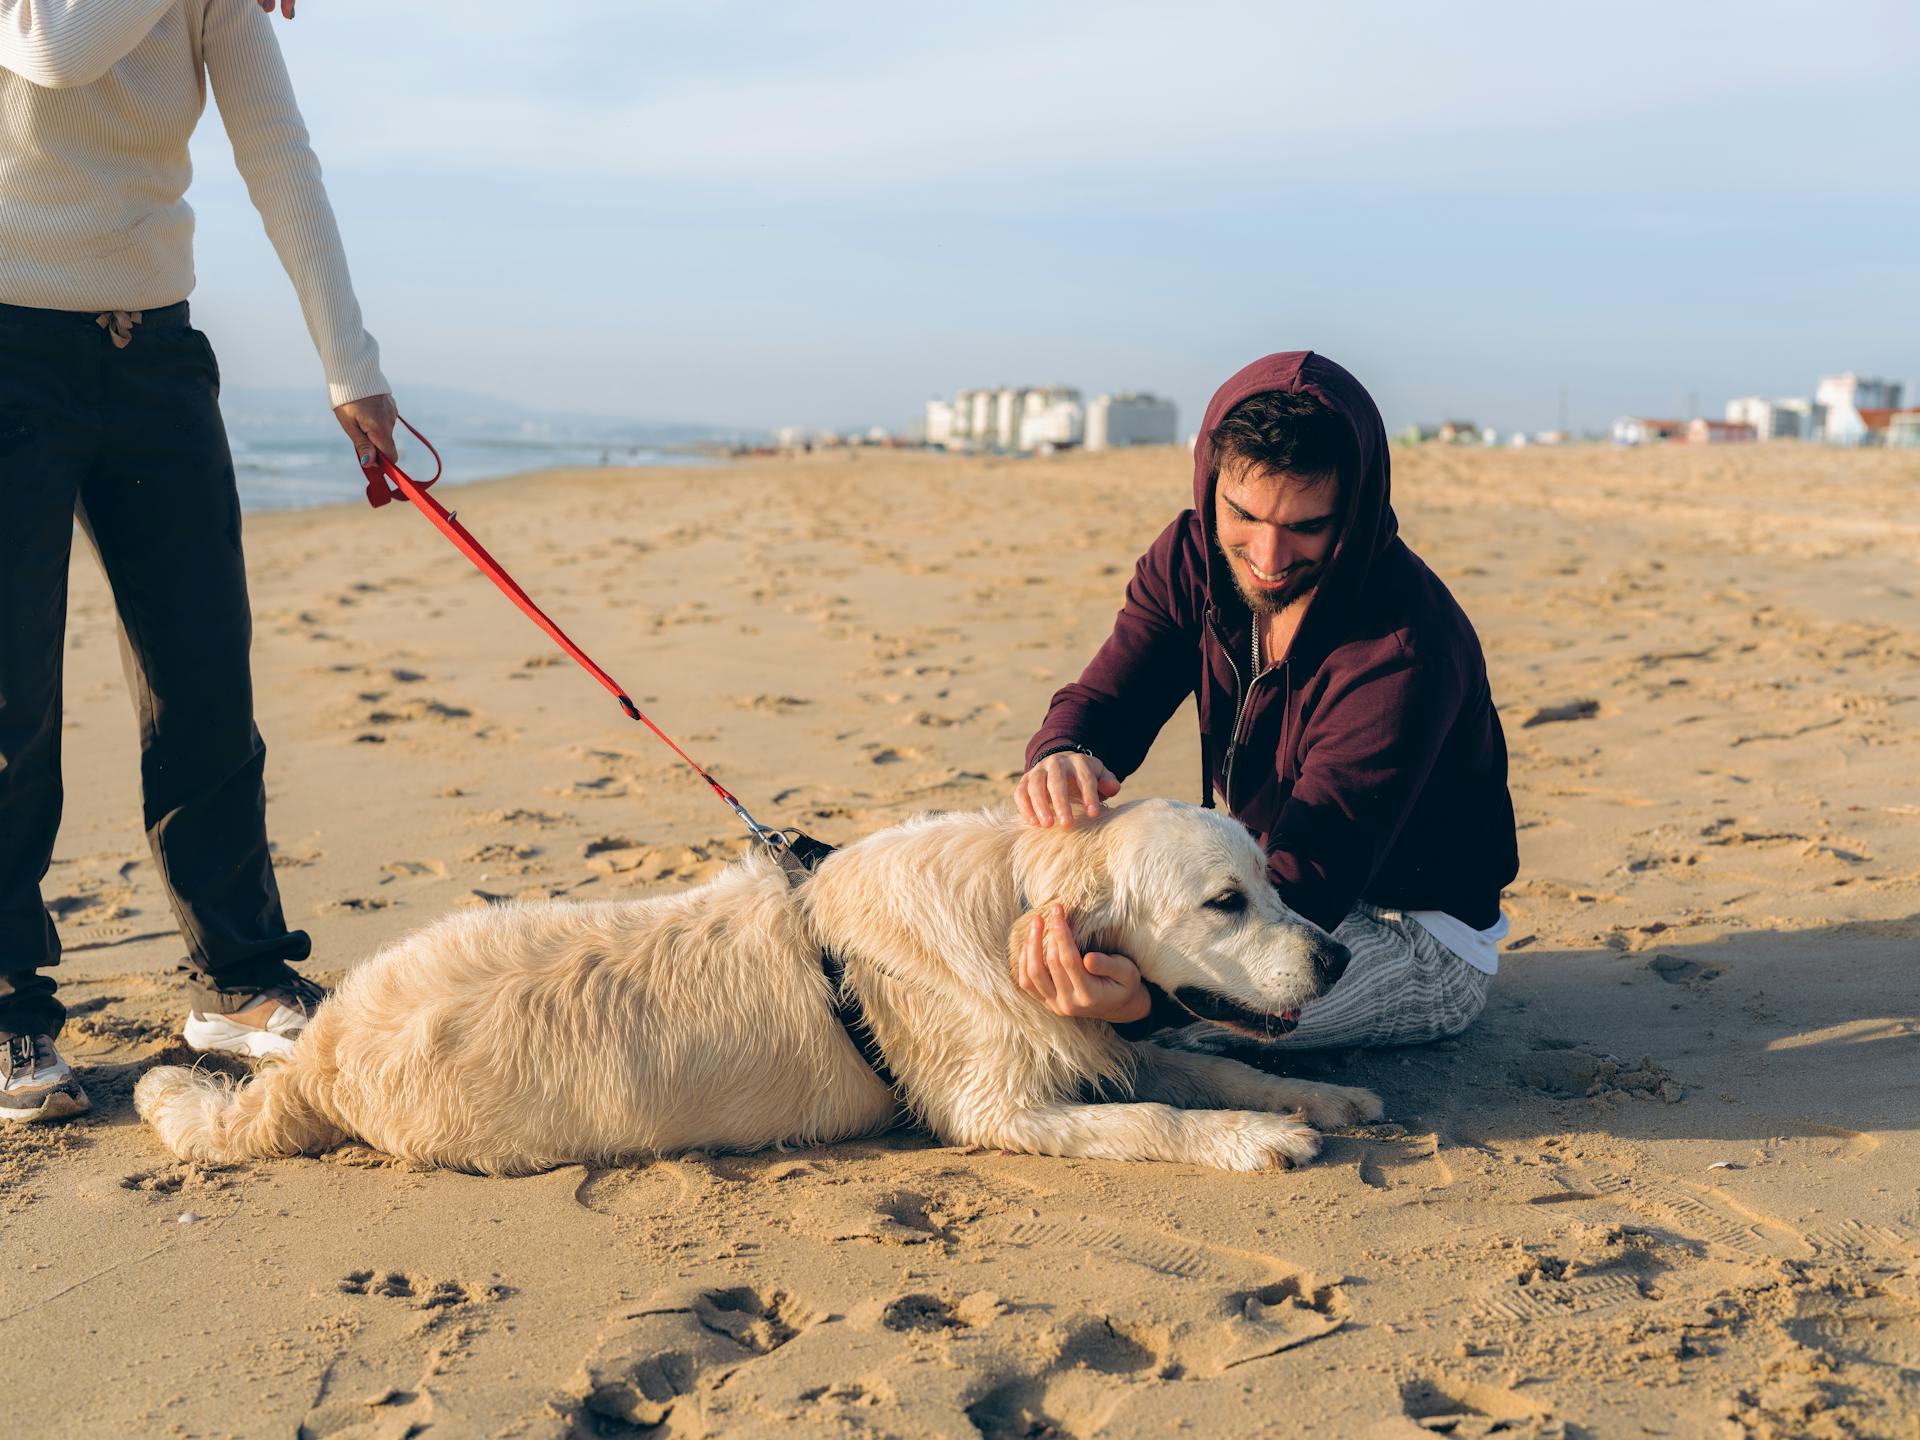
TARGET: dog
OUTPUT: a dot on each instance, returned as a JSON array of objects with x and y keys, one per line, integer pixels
[{"x": 512, "y": 1040}]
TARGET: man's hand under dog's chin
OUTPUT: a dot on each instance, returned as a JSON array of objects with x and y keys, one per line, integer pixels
[{"x": 1094, "y": 986}]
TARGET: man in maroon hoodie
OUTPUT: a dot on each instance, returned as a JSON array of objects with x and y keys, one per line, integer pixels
[{"x": 1345, "y": 716}]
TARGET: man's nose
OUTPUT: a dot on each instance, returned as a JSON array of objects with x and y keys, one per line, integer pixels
[{"x": 1269, "y": 550}]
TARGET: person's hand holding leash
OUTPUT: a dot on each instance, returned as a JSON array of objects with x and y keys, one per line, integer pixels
[
  {"x": 1049, "y": 792},
  {"x": 1093, "y": 986},
  {"x": 369, "y": 422}
]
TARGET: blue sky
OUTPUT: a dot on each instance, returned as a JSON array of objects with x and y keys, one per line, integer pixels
[{"x": 760, "y": 215}]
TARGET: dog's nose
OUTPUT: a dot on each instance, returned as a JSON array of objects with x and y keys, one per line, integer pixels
[{"x": 1330, "y": 959}]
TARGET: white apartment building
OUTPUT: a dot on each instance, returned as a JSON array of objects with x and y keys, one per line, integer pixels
[
  {"x": 979, "y": 413},
  {"x": 941, "y": 415},
  {"x": 1131, "y": 418},
  {"x": 1009, "y": 408},
  {"x": 1773, "y": 419},
  {"x": 1052, "y": 417}
]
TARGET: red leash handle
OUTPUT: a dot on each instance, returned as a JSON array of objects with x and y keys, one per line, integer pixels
[
  {"x": 386, "y": 482},
  {"x": 378, "y": 491}
]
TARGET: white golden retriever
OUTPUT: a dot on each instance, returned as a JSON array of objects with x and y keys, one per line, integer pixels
[{"x": 512, "y": 1040}]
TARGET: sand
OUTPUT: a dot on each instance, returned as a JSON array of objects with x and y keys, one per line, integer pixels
[{"x": 1666, "y": 1186}]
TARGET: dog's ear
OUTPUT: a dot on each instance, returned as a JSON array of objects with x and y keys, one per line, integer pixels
[{"x": 1070, "y": 869}]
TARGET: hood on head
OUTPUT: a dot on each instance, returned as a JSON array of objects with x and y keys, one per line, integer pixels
[{"x": 1368, "y": 524}]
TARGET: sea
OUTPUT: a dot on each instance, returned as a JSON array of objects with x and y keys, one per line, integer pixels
[{"x": 290, "y": 454}]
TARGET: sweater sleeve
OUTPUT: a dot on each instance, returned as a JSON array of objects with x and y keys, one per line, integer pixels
[
  {"x": 1147, "y": 666},
  {"x": 255, "y": 96},
  {"x": 1370, "y": 747},
  {"x": 60, "y": 44}
]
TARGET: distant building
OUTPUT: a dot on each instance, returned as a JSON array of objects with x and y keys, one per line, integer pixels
[
  {"x": 940, "y": 422},
  {"x": 1703, "y": 431},
  {"x": 1638, "y": 430},
  {"x": 1809, "y": 418},
  {"x": 1770, "y": 419},
  {"x": 979, "y": 410},
  {"x": 1009, "y": 405},
  {"x": 1459, "y": 432},
  {"x": 1131, "y": 418},
  {"x": 1858, "y": 391},
  {"x": 1903, "y": 430},
  {"x": 1861, "y": 425},
  {"x": 1052, "y": 418}
]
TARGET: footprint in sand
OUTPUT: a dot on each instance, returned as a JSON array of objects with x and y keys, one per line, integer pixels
[
  {"x": 673, "y": 1352},
  {"x": 1695, "y": 1212},
  {"x": 1568, "y": 1069},
  {"x": 1266, "y": 1306},
  {"x": 499, "y": 852},
  {"x": 419, "y": 1291},
  {"x": 353, "y": 905},
  {"x": 771, "y": 704},
  {"x": 1676, "y": 970},
  {"x": 598, "y": 787},
  {"x": 930, "y": 1216},
  {"x": 1445, "y": 1406},
  {"x": 1391, "y": 1158},
  {"x": 415, "y": 869}
]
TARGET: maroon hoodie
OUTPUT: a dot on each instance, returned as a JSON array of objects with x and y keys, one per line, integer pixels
[{"x": 1370, "y": 763}]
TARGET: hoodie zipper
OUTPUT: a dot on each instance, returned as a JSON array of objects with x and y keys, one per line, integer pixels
[{"x": 1246, "y": 700}]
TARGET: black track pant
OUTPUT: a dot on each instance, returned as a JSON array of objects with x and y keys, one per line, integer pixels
[{"x": 129, "y": 442}]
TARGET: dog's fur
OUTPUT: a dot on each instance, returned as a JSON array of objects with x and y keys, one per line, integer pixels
[{"x": 512, "y": 1040}]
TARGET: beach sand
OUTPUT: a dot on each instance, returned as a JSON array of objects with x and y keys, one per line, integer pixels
[{"x": 1665, "y": 1186}]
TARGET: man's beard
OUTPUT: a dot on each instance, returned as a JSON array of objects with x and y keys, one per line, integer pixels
[{"x": 1271, "y": 602}]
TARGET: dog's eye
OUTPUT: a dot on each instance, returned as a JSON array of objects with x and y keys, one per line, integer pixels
[{"x": 1228, "y": 902}]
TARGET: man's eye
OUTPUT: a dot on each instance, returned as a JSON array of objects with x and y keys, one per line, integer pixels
[{"x": 1228, "y": 902}]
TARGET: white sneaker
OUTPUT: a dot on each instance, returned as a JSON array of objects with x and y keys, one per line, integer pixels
[
  {"x": 35, "y": 1082},
  {"x": 298, "y": 998}
]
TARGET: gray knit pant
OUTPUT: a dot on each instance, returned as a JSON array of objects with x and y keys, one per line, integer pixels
[{"x": 1403, "y": 987}]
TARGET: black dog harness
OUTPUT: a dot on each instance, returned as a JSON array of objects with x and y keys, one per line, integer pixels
[{"x": 799, "y": 857}]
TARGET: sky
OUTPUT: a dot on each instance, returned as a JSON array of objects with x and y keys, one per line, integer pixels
[{"x": 757, "y": 215}]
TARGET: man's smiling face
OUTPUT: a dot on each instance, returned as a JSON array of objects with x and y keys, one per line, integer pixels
[{"x": 1277, "y": 531}]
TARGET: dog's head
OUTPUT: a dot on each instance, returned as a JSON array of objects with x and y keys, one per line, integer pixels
[{"x": 1184, "y": 893}]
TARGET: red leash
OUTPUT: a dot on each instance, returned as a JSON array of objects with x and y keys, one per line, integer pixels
[{"x": 405, "y": 487}]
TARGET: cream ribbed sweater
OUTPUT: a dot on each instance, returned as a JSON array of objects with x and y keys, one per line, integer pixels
[{"x": 97, "y": 101}]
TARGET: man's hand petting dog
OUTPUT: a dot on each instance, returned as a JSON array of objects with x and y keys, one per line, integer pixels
[
  {"x": 1062, "y": 785},
  {"x": 1093, "y": 986}
]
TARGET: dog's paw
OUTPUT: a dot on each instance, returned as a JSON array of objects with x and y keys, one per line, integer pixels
[
  {"x": 1249, "y": 1141},
  {"x": 1334, "y": 1105}
]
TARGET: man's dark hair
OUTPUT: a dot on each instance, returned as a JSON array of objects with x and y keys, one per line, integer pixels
[{"x": 1285, "y": 431}]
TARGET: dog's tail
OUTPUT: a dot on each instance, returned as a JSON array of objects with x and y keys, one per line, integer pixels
[{"x": 206, "y": 1117}]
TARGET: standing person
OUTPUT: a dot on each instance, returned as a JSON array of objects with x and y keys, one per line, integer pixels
[
  {"x": 1345, "y": 717},
  {"x": 109, "y": 414}
]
